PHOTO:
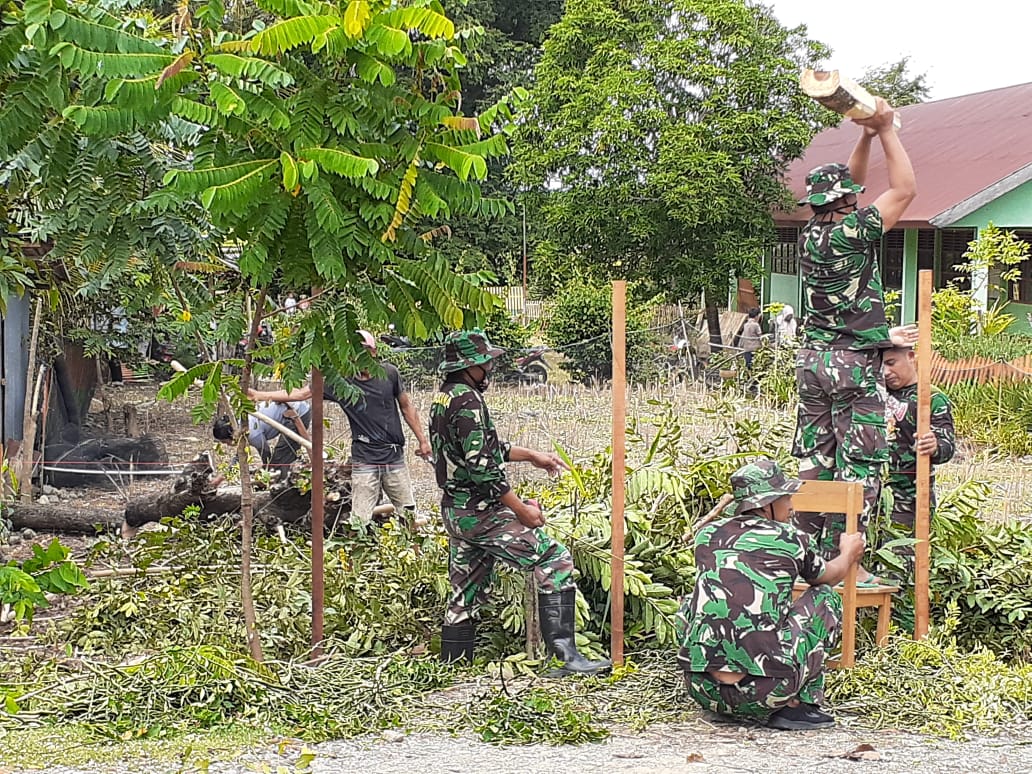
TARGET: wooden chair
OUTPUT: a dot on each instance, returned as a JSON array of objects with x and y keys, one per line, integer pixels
[{"x": 848, "y": 498}]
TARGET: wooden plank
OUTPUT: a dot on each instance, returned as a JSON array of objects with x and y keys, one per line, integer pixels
[
  {"x": 924, "y": 467},
  {"x": 616, "y": 588}
]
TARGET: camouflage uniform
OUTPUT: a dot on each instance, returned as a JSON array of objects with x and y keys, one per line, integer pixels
[
  {"x": 470, "y": 467},
  {"x": 840, "y": 421},
  {"x": 901, "y": 411},
  {"x": 741, "y": 617}
]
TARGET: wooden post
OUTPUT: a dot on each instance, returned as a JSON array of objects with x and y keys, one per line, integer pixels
[
  {"x": 318, "y": 514},
  {"x": 616, "y": 588},
  {"x": 924, "y": 463},
  {"x": 854, "y": 504}
]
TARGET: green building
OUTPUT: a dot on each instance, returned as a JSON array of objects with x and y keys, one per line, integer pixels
[{"x": 972, "y": 156}]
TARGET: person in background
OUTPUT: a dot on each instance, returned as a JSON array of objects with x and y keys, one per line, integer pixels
[
  {"x": 747, "y": 650},
  {"x": 786, "y": 327},
  {"x": 295, "y": 415},
  {"x": 374, "y": 406},
  {"x": 751, "y": 337}
]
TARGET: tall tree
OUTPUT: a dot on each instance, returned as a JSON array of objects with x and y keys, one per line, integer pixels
[
  {"x": 896, "y": 83},
  {"x": 657, "y": 134}
]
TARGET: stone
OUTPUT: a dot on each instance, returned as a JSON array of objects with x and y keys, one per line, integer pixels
[{"x": 43, "y": 499}]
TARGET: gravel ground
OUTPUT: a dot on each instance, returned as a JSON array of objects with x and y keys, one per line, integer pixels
[{"x": 698, "y": 747}]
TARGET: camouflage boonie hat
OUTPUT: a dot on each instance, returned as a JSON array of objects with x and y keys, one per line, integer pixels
[
  {"x": 758, "y": 483},
  {"x": 463, "y": 349},
  {"x": 828, "y": 183}
]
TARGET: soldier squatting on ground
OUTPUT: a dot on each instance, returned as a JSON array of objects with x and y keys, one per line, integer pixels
[
  {"x": 840, "y": 428},
  {"x": 747, "y": 650},
  {"x": 485, "y": 520}
]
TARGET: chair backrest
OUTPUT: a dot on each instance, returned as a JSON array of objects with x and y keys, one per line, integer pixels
[
  {"x": 846, "y": 497},
  {"x": 838, "y": 497}
]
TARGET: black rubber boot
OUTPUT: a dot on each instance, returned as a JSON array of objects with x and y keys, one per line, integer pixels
[
  {"x": 457, "y": 642},
  {"x": 557, "y": 627},
  {"x": 805, "y": 717}
]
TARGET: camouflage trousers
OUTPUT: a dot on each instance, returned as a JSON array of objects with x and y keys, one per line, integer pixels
[
  {"x": 478, "y": 539},
  {"x": 840, "y": 432},
  {"x": 811, "y": 630}
]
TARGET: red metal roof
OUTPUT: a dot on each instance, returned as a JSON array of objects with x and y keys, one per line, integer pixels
[{"x": 959, "y": 147}]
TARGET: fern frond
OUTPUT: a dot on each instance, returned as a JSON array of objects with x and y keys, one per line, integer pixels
[
  {"x": 99, "y": 63},
  {"x": 327, "y": 209},
  {"x": 290, "y": 33},
  {"x": 196, "y": 112},
  {"x": 250, "y": 68},
  {"x": 193, "y": 181},
  {"x": 340, "y": 162},
  {"x": 458, "y": 161},
  {"x": 370, "y": 69},
  {"x": 327, "y": 254},
  {"x": 102, "y": 121},
  {"x": 437, "y": 293}
]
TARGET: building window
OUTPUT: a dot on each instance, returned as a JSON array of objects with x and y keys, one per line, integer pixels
[
  {"x": 891, "y": 260},
  {"x": 926, "y": 249},
  {"x": 783, "y": 255},
  {"x": 951, "y": 254},
  {"x": 1021, "y": 291}
]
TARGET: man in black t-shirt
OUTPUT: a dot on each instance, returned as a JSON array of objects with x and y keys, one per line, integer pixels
[{"x": 374, "y": 406}]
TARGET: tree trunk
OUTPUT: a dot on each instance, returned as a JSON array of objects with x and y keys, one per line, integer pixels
[
  {"x": 62, "y": 518},
  {"x": 713, "y": 322}
]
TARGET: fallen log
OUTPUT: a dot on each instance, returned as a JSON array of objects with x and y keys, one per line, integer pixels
[{"x": 62, "y": 518}]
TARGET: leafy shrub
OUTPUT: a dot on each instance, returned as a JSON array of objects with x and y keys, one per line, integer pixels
[
  {"x": 996, "y": 416},
  {"x": 581, "y": 326},
  {"x": 47, "y": 571}
]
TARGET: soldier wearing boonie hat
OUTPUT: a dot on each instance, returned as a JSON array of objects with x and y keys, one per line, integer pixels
[
  {"x": 747, "y": 650},
  {"x": 840, "y": 421},
  {"x": 485, "y": 520}
]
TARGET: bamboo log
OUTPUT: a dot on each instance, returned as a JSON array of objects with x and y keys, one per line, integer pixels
[
  {"x": 619, "y": 467},
  {"x": 924, "y": 462}
]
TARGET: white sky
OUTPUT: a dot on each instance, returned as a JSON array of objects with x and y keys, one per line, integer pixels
[{"x": 962, "y": 48}]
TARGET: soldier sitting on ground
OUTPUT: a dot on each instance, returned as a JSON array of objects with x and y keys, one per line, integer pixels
[{"x": 747, "y": 650}]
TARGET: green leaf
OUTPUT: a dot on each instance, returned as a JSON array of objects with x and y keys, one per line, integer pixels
[
  {"x": 110, "y": 65},
  {"x": 370, "y": 69},
  {"x": 104, "y": 121},
  {"x": 458, "y": 161},
  {"x": 356, "y": 17},
  {"x": 291, "y": 33},
  {"x": 198, "y": 113},
  {"x": 426, "y": 20},
  {"x": 228, "y": 102},
  {"x": 328, "y": 211},
  {"x": 251, "y": 69},
  {"x": 389, "y": 41},
  {"x": 341, "y": 163},
  {"x": 290, "y": 173}
]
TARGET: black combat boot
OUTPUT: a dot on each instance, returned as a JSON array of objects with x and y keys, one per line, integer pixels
[
  {"x": 557, "y": 625},
  {"x": 457, "y": 642}
]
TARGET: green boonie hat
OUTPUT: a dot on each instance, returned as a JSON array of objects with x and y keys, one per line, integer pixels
[
  {"x": 828, "y": 183},
  {"x": 758, "y": 483},
  {"x": 463, "y": 349}
]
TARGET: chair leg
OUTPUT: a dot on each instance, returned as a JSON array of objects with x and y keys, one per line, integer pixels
[{"x": 884, "y": 616}]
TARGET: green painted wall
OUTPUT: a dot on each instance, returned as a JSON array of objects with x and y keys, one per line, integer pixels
[
  {"x": 1020, "y": 311},
  {"x": 1013, "y": 210},
  {"x": 783, "y": 288}
]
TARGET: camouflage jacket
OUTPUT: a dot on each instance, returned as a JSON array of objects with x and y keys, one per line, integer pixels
[
  {"x": 843, "y": 302},
  {"x": 469, "y": 460},
  {"x": 901, "y": 410},
  {"x": 734, "y": 619}
]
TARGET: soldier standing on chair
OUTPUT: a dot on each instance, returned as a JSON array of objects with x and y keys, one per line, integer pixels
[
  {"x": 840, "y": 426},
  {"x": 484, "y": 518},
  {"x": 747, "y": 650}
]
